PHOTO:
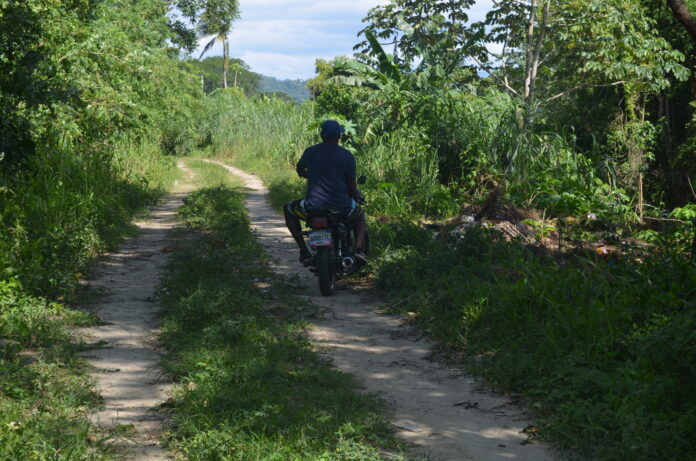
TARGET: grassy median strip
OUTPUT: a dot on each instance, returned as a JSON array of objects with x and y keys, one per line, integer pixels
[{"x": 250, "y": 386}]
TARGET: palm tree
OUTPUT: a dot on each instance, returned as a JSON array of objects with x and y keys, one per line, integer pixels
[{"x": 216, "y": 21}]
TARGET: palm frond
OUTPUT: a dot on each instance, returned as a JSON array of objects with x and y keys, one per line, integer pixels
[{"x": 208, "y": 46}]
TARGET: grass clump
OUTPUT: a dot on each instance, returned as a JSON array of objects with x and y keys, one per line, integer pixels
[
  {"x": 45, "y": 392},
  {"x": 250, "y": 384},
  {"x": 604, "y": 347}
]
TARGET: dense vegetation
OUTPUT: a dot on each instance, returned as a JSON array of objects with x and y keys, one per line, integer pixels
[
  {"x": 92, "y": 95},
  {"x": 583, "y": 111}
]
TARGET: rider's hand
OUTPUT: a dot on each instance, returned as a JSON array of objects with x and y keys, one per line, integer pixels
[{"x": 361, "y": 198}]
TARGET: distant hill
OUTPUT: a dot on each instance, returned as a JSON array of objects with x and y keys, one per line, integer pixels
[{"x": 295, "y": 89}]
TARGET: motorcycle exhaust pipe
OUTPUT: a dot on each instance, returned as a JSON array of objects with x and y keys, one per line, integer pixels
[{"x": 347, "y": 262}]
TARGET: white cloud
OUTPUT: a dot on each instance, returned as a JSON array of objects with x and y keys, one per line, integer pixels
[
  {"x": 281, "y": 65},
  {"x": 282, "y": 38}
]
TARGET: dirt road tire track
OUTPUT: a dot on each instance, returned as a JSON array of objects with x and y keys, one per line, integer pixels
[
  {"x": 441, "y": 411},
  {"x": 125, "y": 366}
]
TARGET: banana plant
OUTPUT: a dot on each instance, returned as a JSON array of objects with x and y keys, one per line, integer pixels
[{"x": 364, "y": 70}]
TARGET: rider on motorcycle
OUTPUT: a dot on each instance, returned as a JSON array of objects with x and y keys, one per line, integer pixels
[{"x": 330, "y": 172}]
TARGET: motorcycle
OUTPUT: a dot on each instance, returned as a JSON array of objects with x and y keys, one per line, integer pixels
[{"x": 331, "y": 242}]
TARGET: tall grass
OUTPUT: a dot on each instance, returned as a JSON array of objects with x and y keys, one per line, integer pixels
[
  {"x": 62, "y": 208},
  {"x": 265, "y": 136}
]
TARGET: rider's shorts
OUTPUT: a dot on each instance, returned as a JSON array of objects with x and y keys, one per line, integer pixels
[{"x": 297, "y": 208}]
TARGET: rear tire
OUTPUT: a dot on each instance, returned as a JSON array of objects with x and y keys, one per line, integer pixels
[{"x": 326, "y": 270}]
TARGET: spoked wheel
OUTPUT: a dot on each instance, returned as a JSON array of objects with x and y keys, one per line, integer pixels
[{"x": 326, "y": 270}]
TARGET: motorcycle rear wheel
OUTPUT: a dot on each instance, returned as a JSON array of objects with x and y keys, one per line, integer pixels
[{"x": 326, "y": 270}]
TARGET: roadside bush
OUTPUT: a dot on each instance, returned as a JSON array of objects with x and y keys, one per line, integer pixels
[{"x": 65, "y": 207}]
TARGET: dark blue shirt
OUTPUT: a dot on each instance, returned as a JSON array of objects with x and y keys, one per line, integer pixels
[{"x": 329, "y": 167}]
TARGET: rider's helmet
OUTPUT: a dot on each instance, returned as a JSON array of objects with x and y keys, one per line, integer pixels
[{"x": 331, "y": 129}]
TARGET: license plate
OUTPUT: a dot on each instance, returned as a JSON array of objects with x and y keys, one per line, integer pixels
[{"x": 320, "y": 239}]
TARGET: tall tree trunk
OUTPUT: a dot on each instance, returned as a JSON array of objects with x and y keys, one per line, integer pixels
[
  {"x": 530, "y": 50},
  {"x": 533, "y": 55},
  {"x": 225, "y": 60}
]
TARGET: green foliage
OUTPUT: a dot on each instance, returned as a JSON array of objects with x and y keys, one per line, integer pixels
[
  {"x": 45, "y": 393},
  {"x": 67, "y": 207},
  {"x": 211, "y": 71},
  {"x": 80, "y": 74},
  {"x": 250, "y": 385},
  {"x": 626, "y": 45},
  {"x": 683, "y": 235},
  {"x": 587, "y": 339},
  {"x": 92, "y": 95},
  {"x": 415, "y": 25}
]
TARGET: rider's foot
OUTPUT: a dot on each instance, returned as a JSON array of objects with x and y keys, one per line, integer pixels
[
  {"x": 361, "y": 257},
  {"x": 305, "y": 257}
]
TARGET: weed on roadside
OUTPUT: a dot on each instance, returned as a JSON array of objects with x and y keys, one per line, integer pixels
[
  {"x": 250, "y": 384},
  {"x": 45, "y": 391}
]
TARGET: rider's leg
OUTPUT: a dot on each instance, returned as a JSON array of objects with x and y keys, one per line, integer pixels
[{"x": 295, "y": 228}]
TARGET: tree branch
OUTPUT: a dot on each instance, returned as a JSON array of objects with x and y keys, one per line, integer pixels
[
  {"x": 580, "y": 87},
  {"x": 492, "y": 74},
  {"x": 683, "y": 15}
]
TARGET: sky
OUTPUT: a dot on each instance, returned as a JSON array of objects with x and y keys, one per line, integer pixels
[{"x": 283, "y": 38}]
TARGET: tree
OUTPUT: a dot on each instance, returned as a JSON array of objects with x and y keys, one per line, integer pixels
[
  {"x": 683, "y": 15},
  {"x": 548, "y": 49},
  {"x": 430, "y": 23},
  {"x": 216, "y": 20},
  {"x": 210, "y": 69}
]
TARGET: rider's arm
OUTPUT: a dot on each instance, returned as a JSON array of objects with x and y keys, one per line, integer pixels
[
  {"x": 301, "y": 171},
  {"x": 302, "y": 166},
  {"x": 353, "y": 190}
]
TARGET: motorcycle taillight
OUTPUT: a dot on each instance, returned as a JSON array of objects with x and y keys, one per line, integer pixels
[{"x": 319, "y": 223}]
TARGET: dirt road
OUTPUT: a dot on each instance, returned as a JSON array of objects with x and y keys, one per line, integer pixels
[
  {"x": 442, "y": 411},
  {"x": 125, "y": 364}
]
